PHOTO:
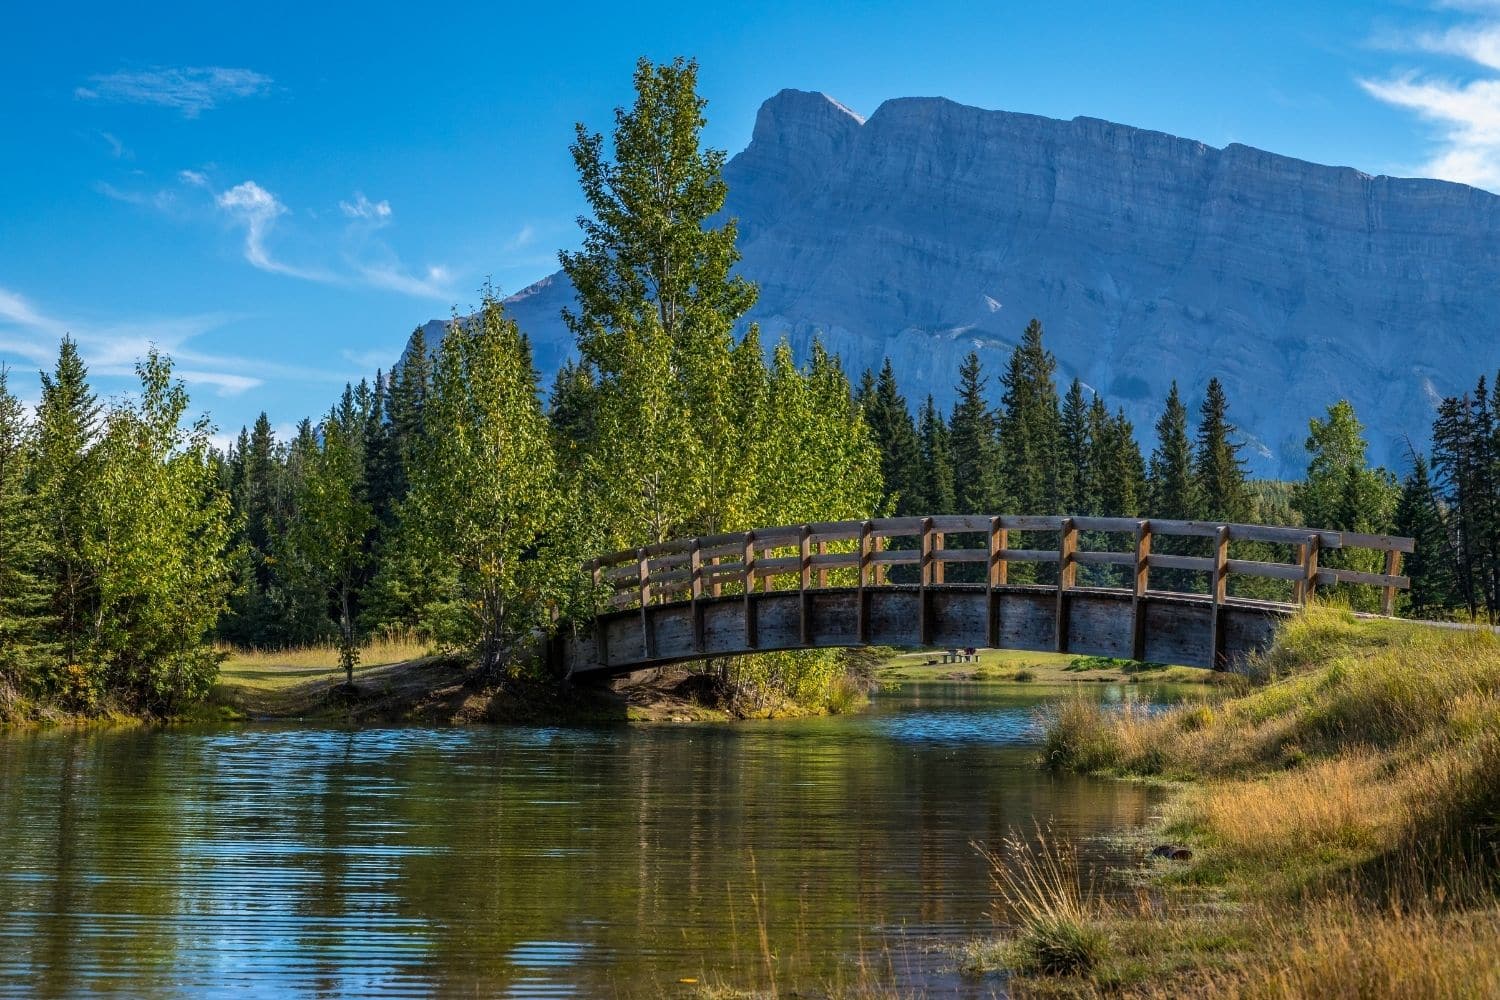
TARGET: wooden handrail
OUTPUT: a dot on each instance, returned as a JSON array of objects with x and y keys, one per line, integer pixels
[{"x": 853, "y": 553}]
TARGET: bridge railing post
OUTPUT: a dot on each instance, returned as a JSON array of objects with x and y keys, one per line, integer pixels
[
  {"x": 866, "y": 555},
  {"x": 1219, "y": 588},
  {"x": 749, "y": 571},
  {"x": 939, "y": 568},
  {"x": 924, "y": 622},
  {"x": 994, "y": 577},
  {"x": 1140, "y": 584},
  {"x": 1308, "y": 556},
  {"x": 695, "y": 591},
  {"x": 1388, "y": 595},
  {"x": 1067, "y": 573},
  {"x": 643, "y": 573},
  {"x": 804, "y": 584}
]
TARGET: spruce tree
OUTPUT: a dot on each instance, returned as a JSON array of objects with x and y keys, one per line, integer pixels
[
  {"x": 23, "y": 590},
  {"x": 1076, "y": 483},
  {"x": 937, "y": 462},
  {"x": 890, "y": 422},
  {"x": 1430, "y": 565},
  {"x": 1218, "y": 471},
  {"x": 62, "y": 482},
  {"x": 975, "y": 450},
  {"x": 1029, "y": 427},
  {"x": 1170, "y": 480}
]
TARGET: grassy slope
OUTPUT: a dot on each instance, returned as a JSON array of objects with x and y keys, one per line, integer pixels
[{"x": 1345, "y": 819}]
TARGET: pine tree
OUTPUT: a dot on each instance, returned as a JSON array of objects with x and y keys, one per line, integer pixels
[
  {"x": 1076, "y": 484},
  {"x": 23, "y": 590},
  {"x": 1030, "y": 427},
  {"x": 1218, "y": 471},
  {"x": 975, "y": 449},
  {"x": 1429, "y": 567},
  {"x": 1170, "y": 492},
  {"x": 62, "y": 481},
  {"x": 937, "y": 462},
  {"x": 890, "y": 422}
]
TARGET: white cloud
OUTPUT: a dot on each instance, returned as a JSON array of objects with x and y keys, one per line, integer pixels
[
  {"x": 363, "y": 208},
  {"x": 257, "y": 210},
  {"x": 434, "y": 283},
  {"x": 190, "y": 90},
  {"x": 193, "y": 178},
  {"x": 1464, "y": 113},
  {"x": 113, "y": 348}
]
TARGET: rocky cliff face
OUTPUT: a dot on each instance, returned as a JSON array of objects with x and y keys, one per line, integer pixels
[{"x": 933, "y": 229}]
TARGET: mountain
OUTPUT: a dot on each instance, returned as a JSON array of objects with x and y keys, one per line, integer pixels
[{"x": 932, "y": 229}]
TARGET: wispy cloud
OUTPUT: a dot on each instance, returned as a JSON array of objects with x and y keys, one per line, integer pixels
[
  {"x": 190, "y": 90},
  {"x": 117, "y": 149},
  {"x": 257, "y": 209},
  {"x": 112, "y": 348},
  {"x": 1463, "y": 111},
  {"x": 363, "y": 208}
]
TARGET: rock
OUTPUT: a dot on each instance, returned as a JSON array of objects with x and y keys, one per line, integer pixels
[
  {"x": 1172, "y": 852},
  {"x": 933, "y": 229}
]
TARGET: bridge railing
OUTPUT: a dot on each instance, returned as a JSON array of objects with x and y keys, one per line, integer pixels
[{"x": 861, "y": 553}]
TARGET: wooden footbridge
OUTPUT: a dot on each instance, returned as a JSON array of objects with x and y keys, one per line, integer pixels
[{"x": 812, "y": 586}]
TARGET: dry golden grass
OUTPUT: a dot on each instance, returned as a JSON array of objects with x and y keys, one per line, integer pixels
[
  {"x": 1346, "y": 953},
  {"x": 1342, "y": 805},
  {"x": 270, "y": 669},
  {"x": 1349, "y": 807}
]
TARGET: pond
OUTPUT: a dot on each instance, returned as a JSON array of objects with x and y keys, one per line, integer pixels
[{"x": 277, "y": 860}]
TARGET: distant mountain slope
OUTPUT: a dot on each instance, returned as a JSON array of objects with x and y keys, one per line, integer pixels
[{"x": 933, "y": 228}]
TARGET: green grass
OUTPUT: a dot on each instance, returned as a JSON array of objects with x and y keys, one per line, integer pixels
[
  {"x": 275, "y": 669},
  {"x": 1047, "y": 669}
]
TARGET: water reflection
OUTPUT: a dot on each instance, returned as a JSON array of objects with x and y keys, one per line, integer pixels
[{"x": 521, "y": 862}]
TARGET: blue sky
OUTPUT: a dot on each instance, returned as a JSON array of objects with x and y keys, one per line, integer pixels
[{"x": 277, "y": 194}]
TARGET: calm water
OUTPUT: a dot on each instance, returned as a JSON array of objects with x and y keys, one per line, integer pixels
[{"x": 260, "y": 860}]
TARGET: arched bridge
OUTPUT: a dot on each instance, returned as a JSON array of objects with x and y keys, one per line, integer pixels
[{"x": 955, "y": 581}]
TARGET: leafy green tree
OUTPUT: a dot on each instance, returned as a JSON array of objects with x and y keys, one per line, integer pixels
[
  {"x": 159, "y": 530},
  {"x": 656, "y": 307},
  {"x": 820, "y": 462},
  {"x": 23, "y": 590},
  {"x": 485, "y": 490},
  {"x": 1170, "y": 481},
  {"x": 1218, "y": 470},
  {"x": 1341, "y": 490},
  {"x": 1429, "y": 567}
]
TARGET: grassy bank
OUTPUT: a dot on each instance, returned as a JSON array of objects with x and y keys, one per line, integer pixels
[
  {"x": 397, "y": 681},
  {"x": 1343, "y": 819},
  {"x": 1008, "y": 666}
]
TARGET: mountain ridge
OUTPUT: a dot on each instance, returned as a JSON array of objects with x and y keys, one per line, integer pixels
[{"x": 931, "y": 228}]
